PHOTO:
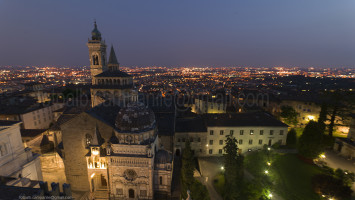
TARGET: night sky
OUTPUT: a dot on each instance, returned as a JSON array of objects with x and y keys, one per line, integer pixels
[{"x": 181, "y": 32}]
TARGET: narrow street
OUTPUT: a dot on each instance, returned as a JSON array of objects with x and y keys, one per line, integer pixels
[{"x": 209, "y": 168}]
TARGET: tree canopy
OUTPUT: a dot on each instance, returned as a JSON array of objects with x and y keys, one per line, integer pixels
[
  {"x": 311, "y": 144},
  {"x": 289, "y": 115},
  {"x": 233, "y": 165}
]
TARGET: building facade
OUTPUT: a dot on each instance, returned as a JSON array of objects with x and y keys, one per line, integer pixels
[
  {"x": 113, "y": 150},
  {"x": 16, "y": 160},
  {"x": 207, "y": 134}
]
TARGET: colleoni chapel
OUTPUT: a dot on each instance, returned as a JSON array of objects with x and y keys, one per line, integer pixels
[{"x": 112, "y": 150}]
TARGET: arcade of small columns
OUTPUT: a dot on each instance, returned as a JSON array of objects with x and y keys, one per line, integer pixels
[{"x": 113, "y": 81}]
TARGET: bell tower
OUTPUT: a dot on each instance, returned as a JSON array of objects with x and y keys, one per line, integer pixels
[{"x": 97, "y": 53}]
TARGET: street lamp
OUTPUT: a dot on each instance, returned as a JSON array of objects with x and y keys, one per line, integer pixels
[
  {"x": 268, "y": 148},
  {"x": 222, "y": 168},
  {"x": 270, "y": 195},
  {"x": 266, "y": 171},
  {"x": 269, "y": 163}
]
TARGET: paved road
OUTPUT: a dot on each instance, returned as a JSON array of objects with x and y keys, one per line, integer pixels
[
  {"x": 209, "y": 168},
  {"x": 335, "y": 161}
]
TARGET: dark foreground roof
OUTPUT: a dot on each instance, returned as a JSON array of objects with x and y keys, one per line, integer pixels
[
  {"x": 106, "y": 112},
  {"x": 31, "y": 132},
  {"x": 242, "y": 119},
  {"x": 7, "y": 123},
  {"x": 12, "y": 192},
  {"x": 114, "y": 73},
  {"x": 190, "y": 125},
  {"x": 165, "y": 123}
]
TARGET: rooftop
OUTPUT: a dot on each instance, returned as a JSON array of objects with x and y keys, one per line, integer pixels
[{"x": 114, "y": 73}]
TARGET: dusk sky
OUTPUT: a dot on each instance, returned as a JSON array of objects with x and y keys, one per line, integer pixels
[{"x": 181, "y": 32}]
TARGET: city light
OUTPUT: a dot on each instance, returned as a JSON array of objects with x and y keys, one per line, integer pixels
[
  {"x": 95, "y": 152},
  {"x": 269, "y": 163},
  {"x": 92, "y": 175},
  {"x": 310, "y": 117},
  {"x": 222, "y": 168},
  {"x": 266, "y": 171},
  {"x": 268, "y": 148},
  {"x": 322, "y": 155}
]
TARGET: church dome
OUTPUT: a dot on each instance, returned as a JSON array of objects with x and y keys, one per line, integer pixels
[
  {"x": 162, "y": 157},
  {"x": 95, "y": 34},
  {"x": 135, "y": 117}
]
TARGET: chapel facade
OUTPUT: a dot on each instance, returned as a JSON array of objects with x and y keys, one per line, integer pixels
[{"x": 113, "y": 151}]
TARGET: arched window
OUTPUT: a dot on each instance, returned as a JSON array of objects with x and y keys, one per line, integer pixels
[
  {"x": 3, "y": 149},
  {"x": 95, "y": 60}
]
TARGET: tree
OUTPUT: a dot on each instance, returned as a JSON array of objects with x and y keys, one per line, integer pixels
[
  {"x": 291, "y": 139},
  {"x": 187, "y": 169},
  {"x": 199, "y": 191},
  {"x": 348, "y": 178},
  {"x": 331, "y": 187},
  {"x": 323, "y": 116},
  {"x": 233, "y": 165},
  {"x": 289, "y": 115},
  {"x": 311, "y": 143}
]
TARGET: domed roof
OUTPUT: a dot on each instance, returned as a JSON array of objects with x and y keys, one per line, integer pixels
[
  {"x": 162, "y": 157},
  {"x": 135, "y": 117},
  {"x": 95, "y": 34}
]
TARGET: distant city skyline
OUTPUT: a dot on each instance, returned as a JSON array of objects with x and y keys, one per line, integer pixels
[{"x": 181, "y": 33}]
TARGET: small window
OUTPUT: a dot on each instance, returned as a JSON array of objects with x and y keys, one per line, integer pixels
[
  {"x": 261, "y": 132},
  {"x": 210, "y": 151},
  {"x": 280, "y": 141},
  {"x": 211, "y": 142},
  {"x": 240, "y": 141},
  {"x": 143, "y": 193},
  {"x": 199, "y": 139},
  {"x": 221, "y": 142},
  {"x": 231, "y": 132},
  {"x": 183, "y": 139},
  {"x": 200, "y": 150},
  {"x": 221, "y": 132},
  {"x": 281, "y": 132},
  {"x": 241, "y": 132},
  {"x": 260, "y": 141},
  {"x": 251, "y": 132},
  {"x": 271, "y": 132},
  {"x": 161, "y": 180},
  {"x": 250, "y": 141},
  {"x": 191, "y": 139},
  {"x": 211, "y": 132},
  {"x": 179, "y": 139},
  {"x": 220, "y": 151},
  {"x": 119, "y": 191}
]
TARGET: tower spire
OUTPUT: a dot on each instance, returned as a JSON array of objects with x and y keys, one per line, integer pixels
[
  {"x": 112, "y": 61},
  {"x": 97, "y": 139}
]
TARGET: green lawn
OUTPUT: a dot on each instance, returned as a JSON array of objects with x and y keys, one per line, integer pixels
[
  {"x": 291, "y": 176},
  {"x": 218, "y": 184}
]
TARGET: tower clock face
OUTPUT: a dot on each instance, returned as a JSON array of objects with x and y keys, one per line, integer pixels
[{"x": 130, "y": 174}]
